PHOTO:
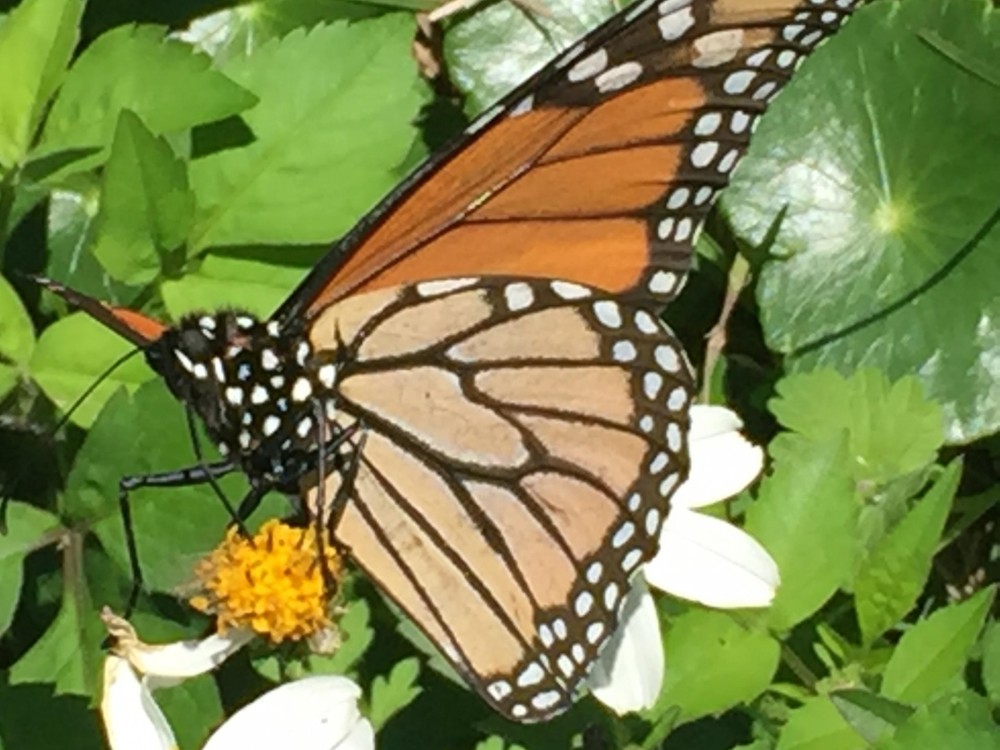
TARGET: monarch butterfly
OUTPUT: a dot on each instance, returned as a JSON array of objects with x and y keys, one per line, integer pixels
[{"x": 478, "y": 362}]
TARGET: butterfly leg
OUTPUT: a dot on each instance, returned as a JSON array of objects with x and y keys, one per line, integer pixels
[
  {"x": 238, "y": 515},
  {"x": 323, "y": 511},
  {"x": 181, "y": 478}
]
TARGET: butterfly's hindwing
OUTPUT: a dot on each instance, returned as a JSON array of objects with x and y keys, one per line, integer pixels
[{"x": 522, "y": 441}]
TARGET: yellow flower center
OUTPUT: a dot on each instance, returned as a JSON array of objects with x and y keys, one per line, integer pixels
[{"x": 272, "y": 583}]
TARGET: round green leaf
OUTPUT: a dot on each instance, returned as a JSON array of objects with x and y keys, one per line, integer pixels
[
  {"x": 883, "y": 153},
  {"x": 714, "y": 663},
  {"x": 73, "y": 353}
]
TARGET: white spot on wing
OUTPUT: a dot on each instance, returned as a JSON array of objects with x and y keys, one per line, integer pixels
[
  {"x": 531, "y": 675},
  {"x": 662, "y": 282},
  {"x": 608, "y": 313},
  {"x": 546, "y": 700},
  {"x": 499, "y": 689},
  {"x": 594, "y": 632},
  {"x": 666, "y": 357},
  {"x": 618, "y": 77},
  {"x": 673, "y": 24},
  {"x": 589, "y": 66},
  {"x": 442, "y": 286},
  {"x": 717, "y": 48},
  {"x": 703, "y": 153},
  {"x": 738, "y": 82},
  {"x": 569, "y": 290},
  {"x": 518, "y": 296},
  {"x": 708, "y": 123},
  {"x": 651, "y": 384},
  {"x": 623, "y": 534},
  {"x": 643, "y": 320},
  {"x": 623, "y": 351}
]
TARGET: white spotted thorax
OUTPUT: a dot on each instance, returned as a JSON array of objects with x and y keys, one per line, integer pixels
[{"x": 258, "y": 391}]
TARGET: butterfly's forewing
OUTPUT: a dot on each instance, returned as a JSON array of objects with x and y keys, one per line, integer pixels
[
  {"x": 599, "y": 169},
  {"x": 521, "y": 442}
]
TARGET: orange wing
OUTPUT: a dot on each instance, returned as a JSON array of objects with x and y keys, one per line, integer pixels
[
  {"x": 521, "y": 442},
  {"x": 600, "y": 169}
]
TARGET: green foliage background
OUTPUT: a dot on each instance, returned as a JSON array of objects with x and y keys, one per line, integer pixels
[{"x": 175, "y": 156}]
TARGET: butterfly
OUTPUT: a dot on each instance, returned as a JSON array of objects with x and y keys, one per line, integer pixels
[{"x": 478, "y": 365}]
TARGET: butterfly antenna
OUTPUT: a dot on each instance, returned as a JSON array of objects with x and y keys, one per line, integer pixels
[{"x": 49, "y": 439}]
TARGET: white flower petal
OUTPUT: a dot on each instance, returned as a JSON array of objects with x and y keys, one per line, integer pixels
[
  {"x": 169, "y": 663},
  {"x": 628, "y": 674},
  {"x": 707, "y": 560},
  {"x": 314, "y": 713},
  {"x": 132, "y": 720},
  {"x": 722, "y": 465},
  {"x": 362, "y": 737},
  {"x": 183, "y": 659},
  {"x": 708, "y": 421}
]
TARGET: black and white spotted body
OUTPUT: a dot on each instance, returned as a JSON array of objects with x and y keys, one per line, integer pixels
[{"x": 258, "y": 393}]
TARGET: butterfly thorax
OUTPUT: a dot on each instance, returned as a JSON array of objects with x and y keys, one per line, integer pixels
[{"x": 261, "y": 392}]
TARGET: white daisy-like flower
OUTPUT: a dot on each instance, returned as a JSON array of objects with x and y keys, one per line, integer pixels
[
  {"x": 701, "y": 558},
  {"x": 314, "y": 713}
]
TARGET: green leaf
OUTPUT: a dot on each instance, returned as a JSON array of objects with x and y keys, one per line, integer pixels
[
  {"x": 146, "y": 207},
  {"x": 892, "y": 577},
  {"x": 392, "y": 694},
  {"x": 17, "y": 338},
  {"x": 991, "y": 661},
  {"x": 893, "y": 430},
  {"x": 70, "y": 357},
  {"x": 241, "y": 31},
  {"x": 870, "y": 715},
  {"x": 26, "y": 529},
  {"x": 357, "y": 635},
  {"x": 817, "y": 725},
  {"x": 170, "y": 87},
  {"x": 805, "y": 516},
  {"x": 714, "y": 663},
  {"x": 890, "y": 244},
  {"x": 192, "y": 709},
  {"x": 36, "y": 41},
  {"x": 955, "y": 722},
  {"x": 243, "y": 279},
  {"x": 496, "y": 48},
  {"x": 935, "y": 650},
  {"x": 326, "y": 146},
  {"x": 26, "y": 715},
  {"x": 67, "y": 654}
]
